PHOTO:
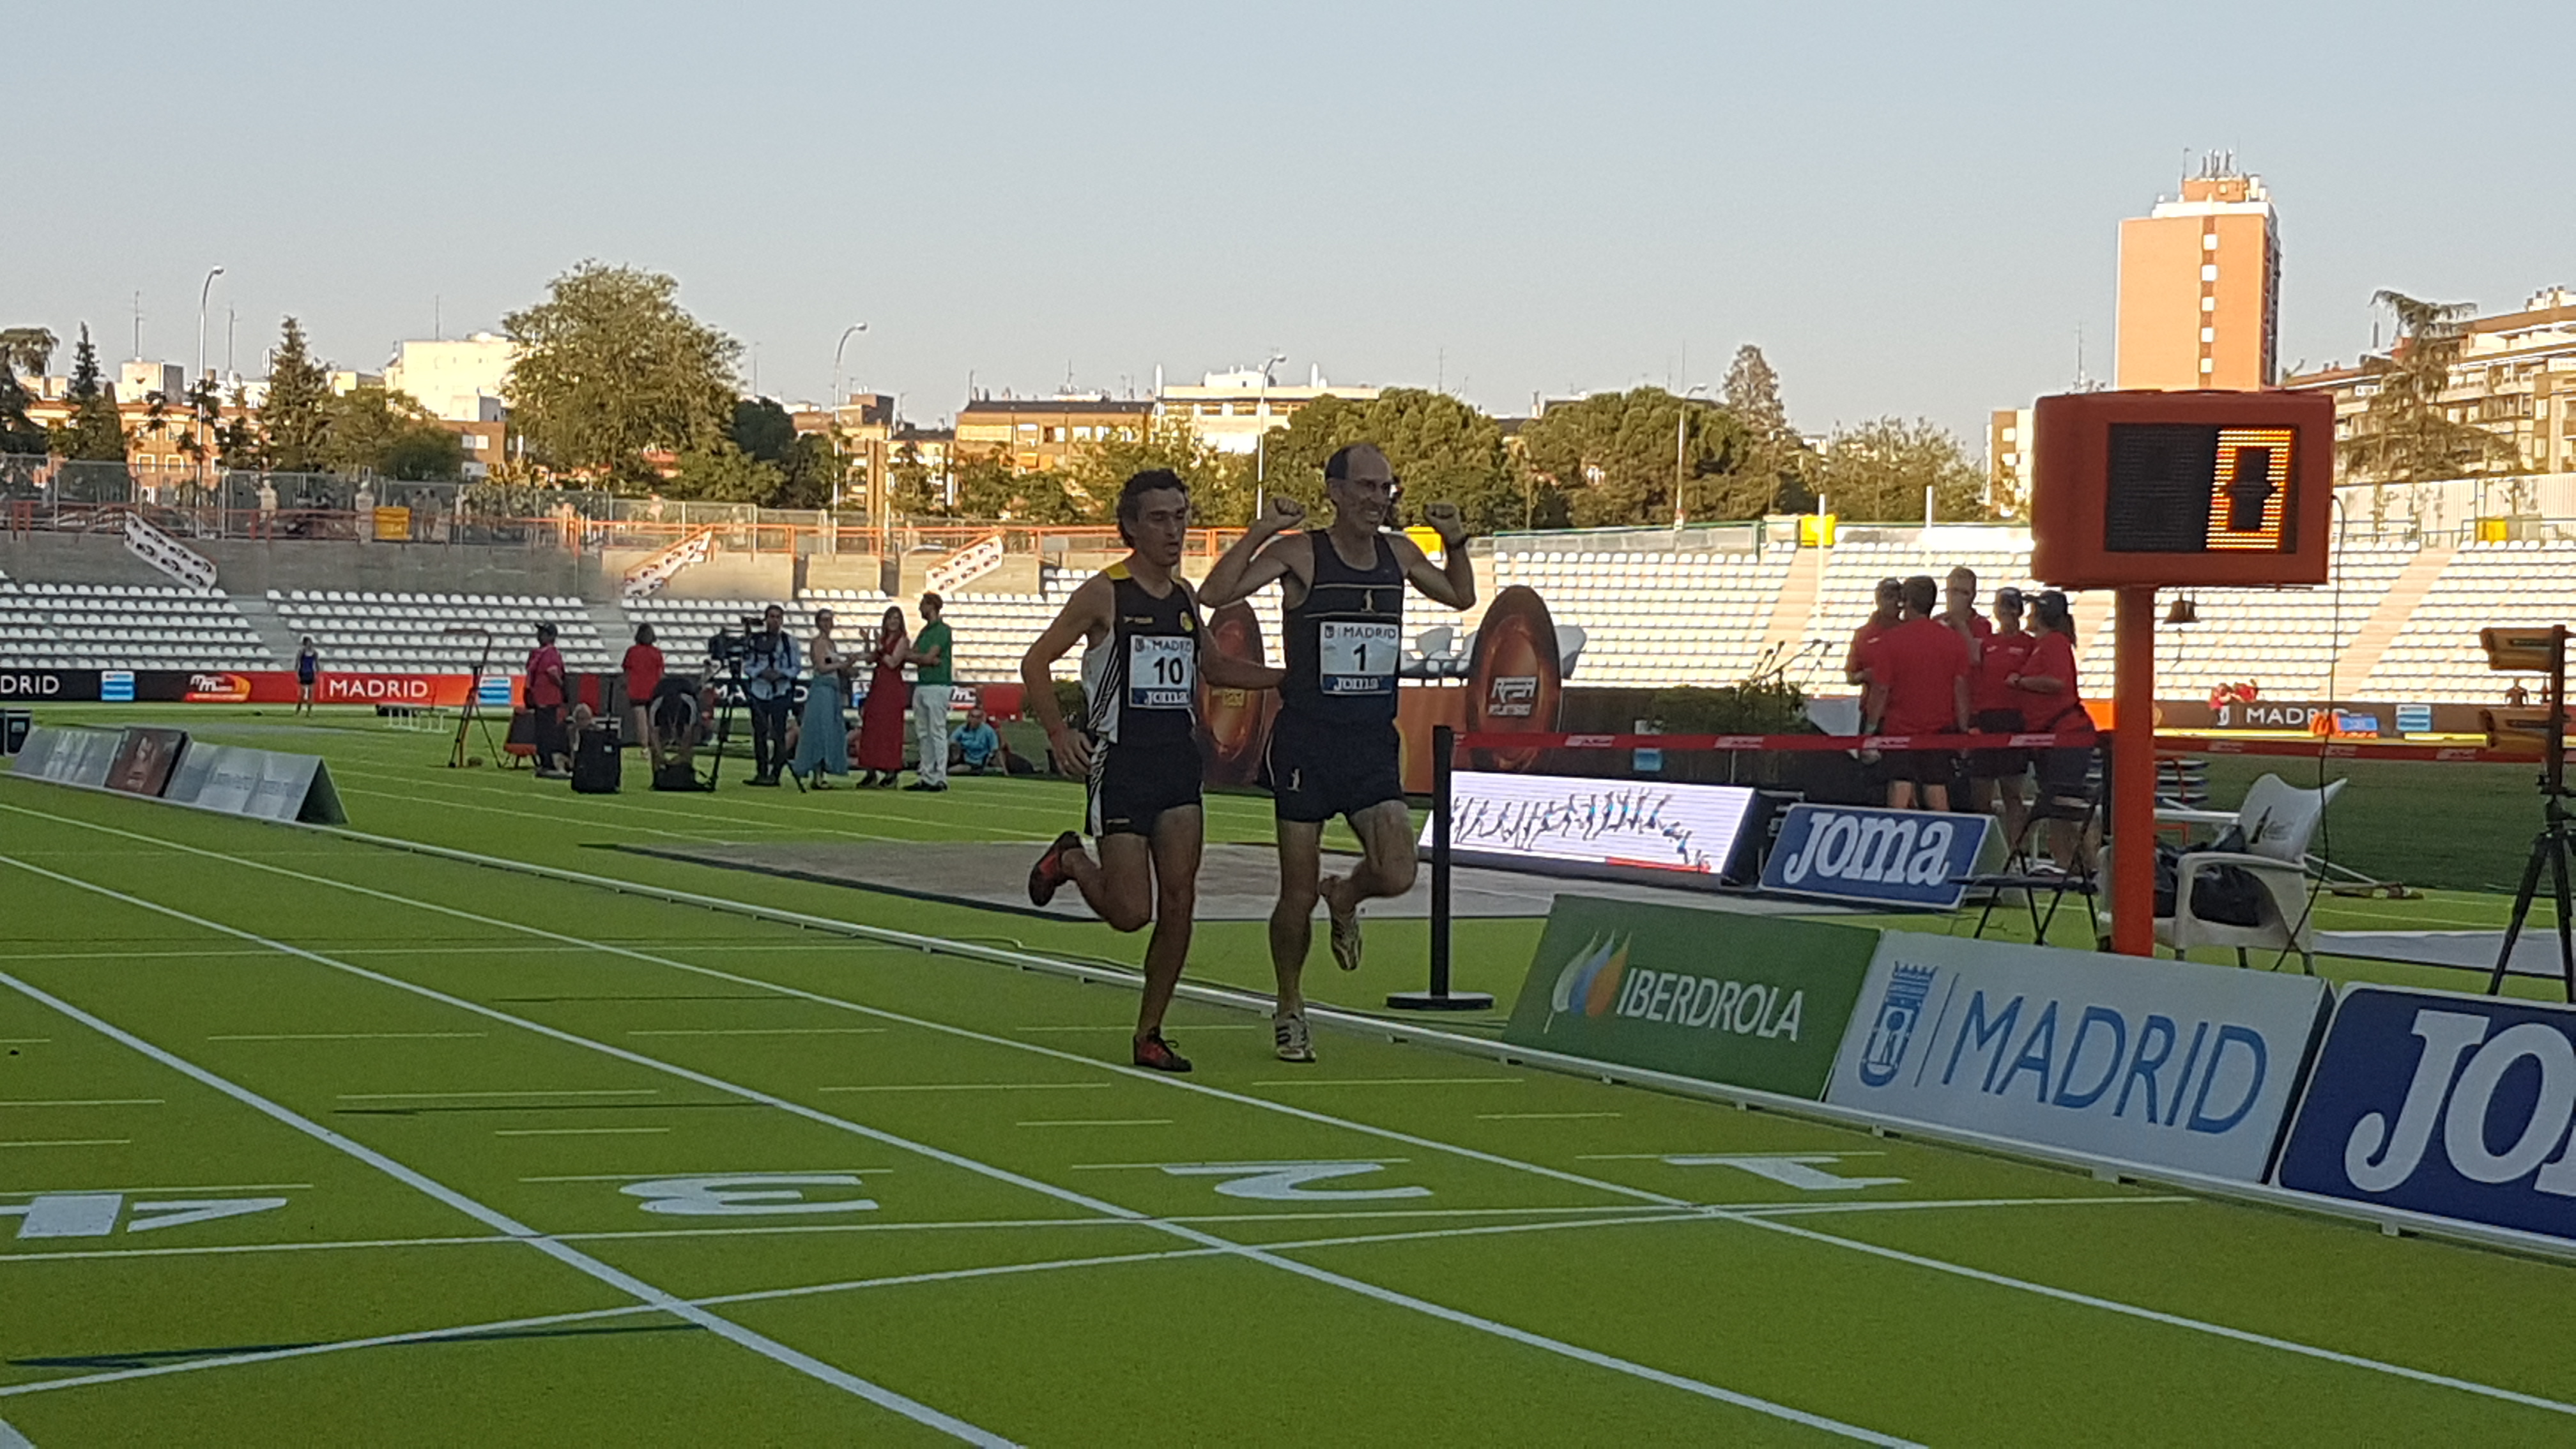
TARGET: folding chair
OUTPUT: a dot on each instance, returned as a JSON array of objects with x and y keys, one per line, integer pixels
[{"x": 2021, "y": 873}]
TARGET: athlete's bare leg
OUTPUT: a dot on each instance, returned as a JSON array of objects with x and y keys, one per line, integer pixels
[
  {"x": 1178, "y": 836},
  {"x": 1292, "y": 921},
  {"x": 1119, "y": 887},
  {"x": 1387, "y": 858}
]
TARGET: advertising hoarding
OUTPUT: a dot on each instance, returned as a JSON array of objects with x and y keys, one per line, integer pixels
[
  {"x": 2165, "y": 1063},
  {"x": 1624, "y": 826},
  {"x": 1747, "y": 1001},
  {"x": 261, "y": 784},
  {"x": 2458, "y": 1106},
  {"x": 144, "y": 760},
  {"x": 1877, "y": 857}
]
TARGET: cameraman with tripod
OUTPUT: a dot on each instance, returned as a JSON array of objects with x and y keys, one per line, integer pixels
[{"x": 769, "y": 682}]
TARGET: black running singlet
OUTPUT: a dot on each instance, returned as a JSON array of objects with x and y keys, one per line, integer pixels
[
  {"x": 1142, "y": 682},
  {"x": 1344, "y": 638}
]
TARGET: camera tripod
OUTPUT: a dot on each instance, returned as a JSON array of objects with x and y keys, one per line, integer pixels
[{"x": 2553, "y": 846}]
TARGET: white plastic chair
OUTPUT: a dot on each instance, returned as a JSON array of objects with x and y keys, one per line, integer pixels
[{"x": 2278, "y": 819}]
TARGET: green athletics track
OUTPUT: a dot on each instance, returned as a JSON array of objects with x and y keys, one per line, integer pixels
[{"x": 402, "y": 1149}]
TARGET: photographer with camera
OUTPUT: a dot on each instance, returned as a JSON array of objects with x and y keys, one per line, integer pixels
[{"x": 769, "y": 681}]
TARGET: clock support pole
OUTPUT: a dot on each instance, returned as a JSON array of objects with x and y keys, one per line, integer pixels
[{"x": 2133, "y": 772}]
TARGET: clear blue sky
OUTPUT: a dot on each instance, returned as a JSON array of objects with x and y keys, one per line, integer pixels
[{"x": 1910, "y": 208}]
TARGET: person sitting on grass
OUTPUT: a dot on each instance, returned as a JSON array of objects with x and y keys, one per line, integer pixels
[{"x": 977, "y": 748}]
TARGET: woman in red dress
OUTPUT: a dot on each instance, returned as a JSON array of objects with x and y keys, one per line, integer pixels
[{"x": 877, "y": 747}]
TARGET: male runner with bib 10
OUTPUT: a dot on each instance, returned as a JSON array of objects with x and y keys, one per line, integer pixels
[
  {"x": 1333, "y": 748},
  {"x": 1146, "y": 649}
]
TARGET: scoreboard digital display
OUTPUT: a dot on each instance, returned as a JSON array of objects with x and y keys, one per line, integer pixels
[{"x": 2166, "y": 488}]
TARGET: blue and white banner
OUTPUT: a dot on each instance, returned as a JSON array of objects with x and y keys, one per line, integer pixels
[
  {"x": 2453, "y": 1105},
  {"x": 2163, "y": 1063},
  {"x": 1876, "y": 857},
  {"x": 492, "y": 691}
]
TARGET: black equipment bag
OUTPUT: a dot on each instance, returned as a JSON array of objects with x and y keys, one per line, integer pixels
[
  {"x": 2227, "y": 896},
  {"x": 597, "y": 766}
]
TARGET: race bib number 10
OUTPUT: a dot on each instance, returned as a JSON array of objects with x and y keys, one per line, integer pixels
[
  {"x": 1162, "y": 671},
  {"x": 1358, "y": 658}
]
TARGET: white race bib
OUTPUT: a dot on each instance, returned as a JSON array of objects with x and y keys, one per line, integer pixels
[
  {"x": 1162, "y": 671},
  {"x": 1358, "y": 658}
]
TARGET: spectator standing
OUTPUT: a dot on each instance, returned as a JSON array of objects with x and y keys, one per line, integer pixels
[
  {"x": 931, "y": 687},
  {"x": 1918, "y": 685},
  {"x": 643, "y": 669},
  {"x": 880, "y": 742},
  {"x": 1887, "y": 612},
  {"x": 308, "y": 671},
  {"x": 820, "y": 746},
  {"x": 978, "y": 746},
  {"x": 769, "y": 679},
  {"x": 1995, "y": 776},
  {"x": 2052, "y": 701},
  {"x": 546, "y": 696}
]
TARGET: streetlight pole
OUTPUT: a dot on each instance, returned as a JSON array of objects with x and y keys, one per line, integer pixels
[
  {"x": 853, "y": 330},
  {"x": 1261, "y": 438},
  {"x": 198, "y": 378},
  {"x": 1681, "y": 435}
]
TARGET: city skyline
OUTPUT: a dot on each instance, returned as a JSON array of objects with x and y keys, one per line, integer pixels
[{"x": 1909, "y": 215}]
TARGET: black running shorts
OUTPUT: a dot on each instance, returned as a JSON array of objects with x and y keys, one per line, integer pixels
[
  {"x": 2004, "y": 764},
  {"x": 1131, "y": 786},
  {"x": 1318, "y": 771}
]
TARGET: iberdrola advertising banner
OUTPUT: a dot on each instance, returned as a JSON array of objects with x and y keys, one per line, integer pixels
[{"x": 1747, "y": 1001}]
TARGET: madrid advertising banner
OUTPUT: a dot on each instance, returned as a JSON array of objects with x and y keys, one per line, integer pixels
[
  {"x": 2458, "y": 1106},
  {"x": 2165, "y": 1063},
  {"x": 1877, "y": 857},
  {"x": 1747, "y": 1001}
]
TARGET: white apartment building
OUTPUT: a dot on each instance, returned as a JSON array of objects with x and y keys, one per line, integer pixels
[
  {"x": 1231, "y": 410},
  {"x": 461, "y": 381}
]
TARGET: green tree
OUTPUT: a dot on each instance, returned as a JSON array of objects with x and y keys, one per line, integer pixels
[
  {"x": 1878, "y": 471},
  {"x": 762, "y": 428},
  {"x": 722, "y": 472},
  {"x": 1618, "y": 457},
  {"x": 1773, "y": 450},
  {"x": 611, "y": 368},
  {"x": 295, "y": 418},
  {"x": 914, "y": 488},
  {"x": 2404, "y": 433},
  {"x": 94, "y": 433},
  {"x": 1167, "y": 441},
  {"x": 813, "y": 468},
  {"x": 237, "y": 444},
  {"x": 1442, "y": 449},
  {"x": 29, "y": 350},
  {"x": 374, "y": 429},
  {"x": 988, "y": 489}
]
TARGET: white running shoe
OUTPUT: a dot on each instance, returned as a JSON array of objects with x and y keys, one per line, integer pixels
[
  {"x": 1288, "y": 1033},
  {"x": 1346, "y": 933}
]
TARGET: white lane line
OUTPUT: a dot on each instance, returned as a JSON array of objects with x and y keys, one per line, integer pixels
[
  {"x": 978, "y": 1087},
  {"x": 1366, "y": 1289},
  {"x": 731, "y": 1172},
  {"x": 12, "y": 1439},
  {"x": 73, "y": 1142},
  {"x": 1543, "y": 1116},
  {"x": 576, "y": 1131},
  {"x": 1103, "y": 1122},
  {"x": 570, "y": 1257},
  {"x": 1384, "y": 1081},
  {"x": 2108, "y": 1305},
  {"x": 192, "y": 1187},
  {"x": 1159, "y": 1166},
  {"x": 764, "y": 1031},
  {"x": 1128, "y": 1030},
  {"x": 26, "y": 1041},
  {"x": 1807, "y": 1209},
  {"x": 461, "y": 1096},
  {"x": 92, "y": 1102},
  {"x": 332, "y": 1035}
]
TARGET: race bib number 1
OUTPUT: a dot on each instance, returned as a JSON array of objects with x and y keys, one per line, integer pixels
[
  {"x": 1358, "y": 658},
  {"x": 1162, "y": 671}
]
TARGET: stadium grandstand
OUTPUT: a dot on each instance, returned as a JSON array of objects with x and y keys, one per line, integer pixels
[{"x": 1655, "y": 609}]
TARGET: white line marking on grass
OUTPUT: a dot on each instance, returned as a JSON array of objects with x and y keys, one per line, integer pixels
[
  {"x": 1366, "y": 1289},
  {"x": 977, "y": 1087},
  {"x": 93, "y": 1102},
  {"x": 536, "y": 1092},
  {"x": 347, "y": 1035},
  {"x": 1130, "y": 1028},
  {"x": 1544, "y": 1116},
  {"x": 1805, "y": 1209},
  {"x": 576, "y": 1131},
  {"x": 570, "y": 1257},
  {"x": 131, "y": 1191},
  {"x": 1384, "y": 1081},
  {"x": 1159, "y": 1166},
  {"x": 74, "y": 1142},
  {"x": 756, "y": 1172},
  {"x": 12, "y": 1439},
  {"x": 764, "y": 1031},
  {"x": 1105, "y": 1122},
  {"x": 222, "y": 1249},
  {"x": 25, "y": 1040}
]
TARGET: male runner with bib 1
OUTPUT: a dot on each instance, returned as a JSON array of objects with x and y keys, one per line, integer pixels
[
  {"x": 1146, "y": 650},
  {"x": 1333, "y": 747}
]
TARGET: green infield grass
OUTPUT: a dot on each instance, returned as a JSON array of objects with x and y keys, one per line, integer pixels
[{"x": 310, "y": 1139}]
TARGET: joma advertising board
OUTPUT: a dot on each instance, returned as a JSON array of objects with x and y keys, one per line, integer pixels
[
  {"x": 1750, "y": 1001},
  {"x": 2454, "y": 1105},
  {"x": 2155, "y": 1062},
  {"x": 1879, "y": 857}
]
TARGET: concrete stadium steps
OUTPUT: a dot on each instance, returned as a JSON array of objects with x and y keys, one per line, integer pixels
[
  {"x": 365, "y": 631},
  {"x": 2436, "y": 657},
  {"x": 125, "y": 626}
]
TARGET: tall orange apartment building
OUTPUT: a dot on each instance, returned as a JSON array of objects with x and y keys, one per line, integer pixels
[{"x": 2200, "y": 283}]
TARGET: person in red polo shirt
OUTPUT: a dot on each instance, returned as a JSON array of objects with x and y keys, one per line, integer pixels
[
  {"x": 546, "y": 704},
  {"x": 1995, "y": 776},
  {"x": 643, "y": 669},
  {"x": 1918, "y": 685},
  {"x": 2052, "y": 701}
]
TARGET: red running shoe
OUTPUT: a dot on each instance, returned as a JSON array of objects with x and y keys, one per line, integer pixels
[
  {"x": 1048, "y": 873},
  {"x": 1157, "y": 1053}
]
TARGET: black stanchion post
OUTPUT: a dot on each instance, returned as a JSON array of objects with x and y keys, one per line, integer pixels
[{"x": 1444, "y": 744}]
